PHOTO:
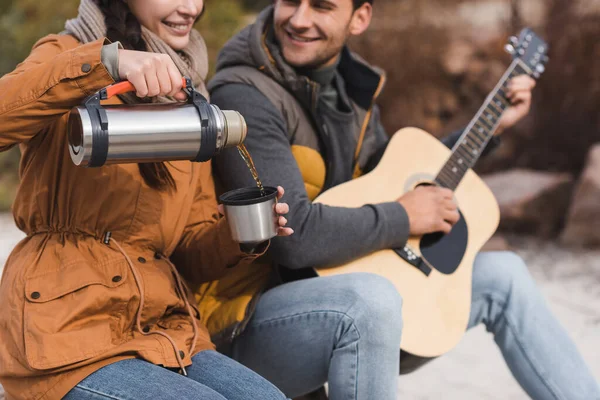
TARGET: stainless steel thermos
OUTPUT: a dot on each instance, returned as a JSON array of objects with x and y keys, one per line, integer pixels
[{"x": 196, "y": 130}]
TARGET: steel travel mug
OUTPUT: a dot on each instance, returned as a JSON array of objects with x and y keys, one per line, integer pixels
[{"x": 251, "y": 217}]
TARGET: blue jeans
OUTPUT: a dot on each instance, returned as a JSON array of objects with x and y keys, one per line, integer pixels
[
  {"x": 346, "y": 330},
  {"x": 212, "y": 376}
]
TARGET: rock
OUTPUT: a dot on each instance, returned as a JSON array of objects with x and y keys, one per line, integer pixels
[
  {"x": 583, "y": 220},
  {"x": 531, "y": 201}
]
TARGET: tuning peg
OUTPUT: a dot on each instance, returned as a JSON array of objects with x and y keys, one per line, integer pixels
[
  {"x": 511, "y": 46},
  {"x": 540, "y": 68},
  {"x": 545, "y": 59},
  {"x": 536, "y": 75}
]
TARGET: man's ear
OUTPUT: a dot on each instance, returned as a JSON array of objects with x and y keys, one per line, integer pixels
[{"x": 361, "y": 19}]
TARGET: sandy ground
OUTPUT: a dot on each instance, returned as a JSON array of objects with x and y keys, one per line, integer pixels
[{"x": 570, "y": 280}]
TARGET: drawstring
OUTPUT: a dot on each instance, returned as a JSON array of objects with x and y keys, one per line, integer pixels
[
  {"x": 182, "y": 291},
  {"x": 138, "y": 316}
]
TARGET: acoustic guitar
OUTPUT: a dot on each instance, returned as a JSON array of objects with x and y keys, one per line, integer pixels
[{"x": 433, "y": 273}]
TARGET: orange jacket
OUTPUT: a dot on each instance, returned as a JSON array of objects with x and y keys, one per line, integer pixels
[{"x": 68, "y": 302}]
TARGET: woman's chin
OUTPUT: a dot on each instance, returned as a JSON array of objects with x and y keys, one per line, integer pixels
[{"x": 177, "y": 42}]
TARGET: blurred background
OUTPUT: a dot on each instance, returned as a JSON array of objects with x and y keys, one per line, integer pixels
[{"x": 442, "y": 58}]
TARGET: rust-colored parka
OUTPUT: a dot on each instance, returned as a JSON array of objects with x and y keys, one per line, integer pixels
[{"x": 69, "y": 303}]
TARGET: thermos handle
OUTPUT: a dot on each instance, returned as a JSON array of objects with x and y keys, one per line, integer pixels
[{"x": 125, "y": 87}]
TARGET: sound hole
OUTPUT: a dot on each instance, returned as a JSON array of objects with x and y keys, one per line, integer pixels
[{"x": 445, "y": 252}]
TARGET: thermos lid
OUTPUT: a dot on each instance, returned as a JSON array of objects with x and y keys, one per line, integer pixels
[{"x": 235, "y": 126}]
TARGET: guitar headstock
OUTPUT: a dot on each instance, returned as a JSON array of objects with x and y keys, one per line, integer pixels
[{"x": 530, "y": 49}]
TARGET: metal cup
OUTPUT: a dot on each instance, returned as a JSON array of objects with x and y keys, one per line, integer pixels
[{"x": 252, "y": 217}]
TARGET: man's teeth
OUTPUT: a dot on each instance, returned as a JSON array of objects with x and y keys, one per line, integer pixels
[{"x": 299, "y": 39}]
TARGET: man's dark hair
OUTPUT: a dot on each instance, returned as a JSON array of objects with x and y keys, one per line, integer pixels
[{"x": 358, "y": 3}]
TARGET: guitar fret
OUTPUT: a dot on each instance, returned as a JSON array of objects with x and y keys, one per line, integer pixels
[
  {"x": 485, "y": 123},
  {"x": 519, "y": 70},
  {"x": 467, "y": 149},
  {"x": 482, "y": 129},
  {"x": 458, "y": 163},
  {"x": 489, "y": 117},
  {"x": 479, "y": 130},
  {"x": 458, "y": 170},
  {"x": 462, "y": 166},
  {"x": 501, "y": 102},
  {"x": 453, "y": 182},
  {"x": 451, "y": 172},
  {"x": 497, "y": 106},
  {"x": 439, "y": 179},
  {"x": 470, "y": 146},
  {"x": 474, "y": 137},
  {"x": 490, "y": 109},
  {"x": 472, "y": 149},
  {"x": 473, "y": 142},
  {"x": 468, "y": 153}
]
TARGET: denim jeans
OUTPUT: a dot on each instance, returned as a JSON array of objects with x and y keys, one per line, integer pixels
[
  {"x": 212, "y": 376},
  {"x": 346, "y": 330}
]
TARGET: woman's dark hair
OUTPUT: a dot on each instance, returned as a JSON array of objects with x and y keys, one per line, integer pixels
[{"x": 123, "y": 26}]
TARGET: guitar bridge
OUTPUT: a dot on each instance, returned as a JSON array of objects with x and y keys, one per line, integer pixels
[{"x": 416, "y": 261}]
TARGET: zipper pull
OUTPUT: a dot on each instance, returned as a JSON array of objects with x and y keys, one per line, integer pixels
[{"x": 106, "y": 239}]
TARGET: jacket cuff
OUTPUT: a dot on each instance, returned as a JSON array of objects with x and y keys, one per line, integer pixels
[
  {"x": 110, "y": 58},
  {"x": 397, "y": 224},
  {"x": 86, "y": 67}
]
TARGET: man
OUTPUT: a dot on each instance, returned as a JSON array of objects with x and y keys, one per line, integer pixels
[{"x": 309, "y": 105}]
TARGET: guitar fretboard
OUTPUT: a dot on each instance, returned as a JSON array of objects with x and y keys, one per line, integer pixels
[{"x": 480, "y": 130}]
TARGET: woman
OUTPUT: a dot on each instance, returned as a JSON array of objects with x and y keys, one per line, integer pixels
[{"x": 92, "y": 306}]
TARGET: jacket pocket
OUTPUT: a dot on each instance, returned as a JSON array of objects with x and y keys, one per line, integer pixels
[{"x": 72, "y": 314}]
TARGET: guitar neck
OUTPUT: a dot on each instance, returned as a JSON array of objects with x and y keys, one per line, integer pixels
[{"x": 480, "y": 130}]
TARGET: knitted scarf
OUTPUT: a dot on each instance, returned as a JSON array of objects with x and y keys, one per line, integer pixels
[{"x": 192, "y": 61}]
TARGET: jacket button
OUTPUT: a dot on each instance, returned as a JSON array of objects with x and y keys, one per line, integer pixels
[
  {"x": 146, "y": 329},
  {"x": 181, "y": 354},
  {"x": 142, "y": 260},
  {"x": 116, "y": 278},
  {"x": 35, "y": 295},
  {"x": 157, "y": 256},
  {"x": 86, "y": 67}
]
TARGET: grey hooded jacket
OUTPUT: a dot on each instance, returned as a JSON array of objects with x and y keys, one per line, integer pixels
[{"x": 285, "y": 114}]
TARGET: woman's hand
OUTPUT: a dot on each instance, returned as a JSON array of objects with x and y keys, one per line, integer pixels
[
  {"x": 282, "y": 209},
  {"x": 151, "y": 74}
]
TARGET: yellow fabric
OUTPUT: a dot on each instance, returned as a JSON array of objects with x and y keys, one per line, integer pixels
[
  {"x": 223, "y": 303},
  {"x": 312, "y": 167}
]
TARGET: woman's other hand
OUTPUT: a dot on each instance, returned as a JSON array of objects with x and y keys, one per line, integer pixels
[
  {"x": 282, "y": 209},
  {"x": 151, "y": 74}
]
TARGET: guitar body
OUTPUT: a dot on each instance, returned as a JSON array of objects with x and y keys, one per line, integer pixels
[{"x": 436, "y": 304}]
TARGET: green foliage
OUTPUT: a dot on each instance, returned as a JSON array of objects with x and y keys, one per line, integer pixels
[
  {"x": 23, "y": 22},
  {"x": 221, "y": 20}
]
